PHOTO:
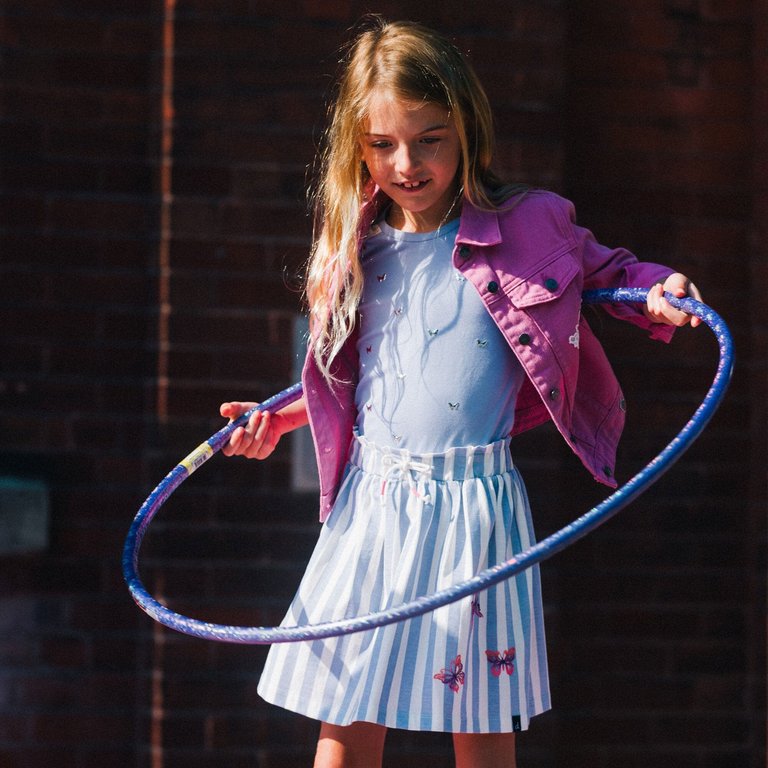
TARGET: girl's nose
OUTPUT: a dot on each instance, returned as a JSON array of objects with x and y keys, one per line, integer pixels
[{"x": 406, "y": 159}]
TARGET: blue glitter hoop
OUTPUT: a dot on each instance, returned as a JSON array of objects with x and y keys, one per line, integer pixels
[{"x": 554, "y": 543}]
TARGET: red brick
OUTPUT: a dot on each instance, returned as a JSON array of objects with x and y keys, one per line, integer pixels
[
  {"x": 125, "y": 142},
  {"x": 201, "y": 180},
  {"x": 58, "y": 33},
  {"x": 229, "y": 37},
  {"x": 78, "y": 249},
  {"x": 115, "y": 757},
  {"x": 274, "y": 219},
  {"x": 20, "y": 138},
  {"x": 65, "y": 652},
  {"x": 76, "y": 728},
  {"x": 64, "y": 105},
  {"x": 130, "y": 36},
  {"x": 30, "y": 756},
  {"x": 252, "y": 145},
  {"x": 263, "y": 180},
  {"x": 97, "y": 214},
  {"x": 20, "y": 210},
  {"x": 127, "y": 107},
  {"x": 13, "y": 728}
]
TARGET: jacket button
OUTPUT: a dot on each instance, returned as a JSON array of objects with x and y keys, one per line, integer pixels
[
  {"x": 607, "y": 471},
  {"x": 554, "y": 393},
  {"x": 493, "y": 286},
  {"x": 465, "y": 251},
  {"x": 623, "y": 404},
  {"x": 524, "y": 339},
  {"x": 551, "y": 284}
]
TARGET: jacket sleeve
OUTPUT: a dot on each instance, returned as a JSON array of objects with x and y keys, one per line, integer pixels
[
  {"x": 331, "y": 411},
  {"x": 605, "y": 267}
]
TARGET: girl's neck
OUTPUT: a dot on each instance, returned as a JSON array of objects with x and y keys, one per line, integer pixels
[{"x": 408, "y": 221}]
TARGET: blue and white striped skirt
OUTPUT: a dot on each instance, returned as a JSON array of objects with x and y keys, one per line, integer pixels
[{"x": 404, "y": 526}]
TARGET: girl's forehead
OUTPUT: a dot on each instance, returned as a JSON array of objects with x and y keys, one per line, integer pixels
[{"x": 388, "y": 109}]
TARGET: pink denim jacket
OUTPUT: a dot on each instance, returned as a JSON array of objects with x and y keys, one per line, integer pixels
[{"x": 530, "y": 263}]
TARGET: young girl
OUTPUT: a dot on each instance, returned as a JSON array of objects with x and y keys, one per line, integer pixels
[{"x": 445, "y": 316}]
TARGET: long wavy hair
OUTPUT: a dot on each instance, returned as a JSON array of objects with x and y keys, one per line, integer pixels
[{"x": 416, "y": 64}]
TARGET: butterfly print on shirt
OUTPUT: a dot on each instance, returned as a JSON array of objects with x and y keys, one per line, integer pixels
[
  {"x": 499, "y": 661},
  {"x": 453, "y": 677}
]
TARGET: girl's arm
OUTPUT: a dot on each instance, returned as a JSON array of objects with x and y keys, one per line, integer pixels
[
  {"x": 259, "y": 437},
  {"x": 616, "y": 268}
]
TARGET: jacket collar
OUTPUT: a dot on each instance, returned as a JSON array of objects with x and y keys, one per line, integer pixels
[{"x": 478, "y": 226}]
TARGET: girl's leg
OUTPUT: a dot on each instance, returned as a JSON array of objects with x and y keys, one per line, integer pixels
[
  {"x": 484, "y": 750},
  {"x": 359, "y": 745}
]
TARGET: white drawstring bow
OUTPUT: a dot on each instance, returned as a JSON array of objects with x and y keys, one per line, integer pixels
[{"x": 407, "y": 467}]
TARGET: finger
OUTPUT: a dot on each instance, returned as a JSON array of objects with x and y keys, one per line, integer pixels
[
  {"x": 253, "y": 424},
  {"x": 653, "y": 300},
  {"x": 261, "y": 445},
  {"x": 263, "y": 434},
  {"x": 242, "y": 438},
  {"x": 675, "y": 316},
  {"x": 234, "y": 409},
  {"x": 682, "y": 287},
  {"x": 677, "y": 285},
  {"x": 232, "y": 447},
  {"x": 694, "y": 293}
]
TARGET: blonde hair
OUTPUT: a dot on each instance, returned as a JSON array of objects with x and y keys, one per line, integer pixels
[{"x": 414, "y": 63}]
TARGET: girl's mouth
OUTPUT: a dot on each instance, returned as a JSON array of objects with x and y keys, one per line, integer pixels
[{"x": 412, "y": 186}]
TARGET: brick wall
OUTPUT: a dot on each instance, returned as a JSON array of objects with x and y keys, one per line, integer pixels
[
  {"x": 153, "y": 225},
  {"x": 76, "y": 367},
  {"x": 657, "y": 609}
]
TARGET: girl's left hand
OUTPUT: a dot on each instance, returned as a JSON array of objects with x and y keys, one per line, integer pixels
[
  {"x": 258, "y": 438},
  {"x": 659, "y": 310}
]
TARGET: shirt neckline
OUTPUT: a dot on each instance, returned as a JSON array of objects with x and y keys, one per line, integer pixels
[{"x": 415, "y": 237}]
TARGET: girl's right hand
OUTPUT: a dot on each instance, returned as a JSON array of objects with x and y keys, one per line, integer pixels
[{"x": 258, "y": 438}]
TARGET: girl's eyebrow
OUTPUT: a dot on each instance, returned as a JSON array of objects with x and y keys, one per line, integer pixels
[{"x": 439, "y": 127}]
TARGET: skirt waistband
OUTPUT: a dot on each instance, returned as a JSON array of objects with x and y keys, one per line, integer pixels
[{"x": 462, "y": 463}]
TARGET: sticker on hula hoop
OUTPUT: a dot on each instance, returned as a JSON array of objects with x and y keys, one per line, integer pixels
[{"x": 197, "y": 458}]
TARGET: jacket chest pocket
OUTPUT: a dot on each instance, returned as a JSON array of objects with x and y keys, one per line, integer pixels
[{"x": 548, "y": 281}]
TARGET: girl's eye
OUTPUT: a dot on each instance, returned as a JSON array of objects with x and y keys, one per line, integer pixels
[
  {"x": 430, "y": 140},
  {"x": 380, "y": 145}
]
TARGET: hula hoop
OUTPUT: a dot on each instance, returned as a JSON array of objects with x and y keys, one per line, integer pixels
[{"x": 554, "y": 543}]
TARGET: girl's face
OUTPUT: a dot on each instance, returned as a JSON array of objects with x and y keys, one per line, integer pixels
[{"x": 412, "y": 152}]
